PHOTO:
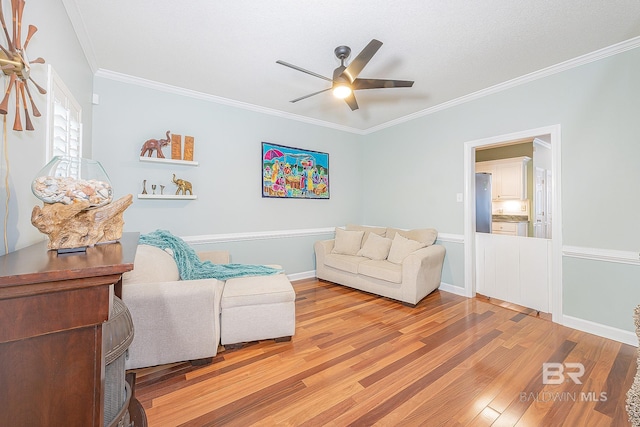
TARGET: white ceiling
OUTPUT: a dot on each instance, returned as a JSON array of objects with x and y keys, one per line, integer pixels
[{"x": 451, "y": 48}]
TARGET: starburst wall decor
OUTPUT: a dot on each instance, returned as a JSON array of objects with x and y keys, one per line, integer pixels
[{"x": 15, "y": 65}]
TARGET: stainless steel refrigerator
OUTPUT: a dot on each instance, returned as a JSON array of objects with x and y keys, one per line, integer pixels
[{"x": 483, "y": 202}]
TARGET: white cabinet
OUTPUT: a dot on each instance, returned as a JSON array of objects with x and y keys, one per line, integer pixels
[
  {"x": 509, "y": 228},
  {"x": 508, "y": 177},
  {"x": 513, "y": 270}
]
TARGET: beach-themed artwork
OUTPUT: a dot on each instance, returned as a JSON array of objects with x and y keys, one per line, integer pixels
[{"x": 294, "y": 173}]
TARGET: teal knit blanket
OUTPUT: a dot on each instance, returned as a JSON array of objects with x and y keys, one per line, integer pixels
[{"x": 191, "y": 267}]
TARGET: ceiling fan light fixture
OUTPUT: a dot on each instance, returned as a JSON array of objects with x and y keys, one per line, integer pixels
[{"x": 341, "y": 91}]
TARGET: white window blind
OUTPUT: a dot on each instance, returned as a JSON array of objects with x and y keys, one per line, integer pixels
[{"x": 64, "y": 118}]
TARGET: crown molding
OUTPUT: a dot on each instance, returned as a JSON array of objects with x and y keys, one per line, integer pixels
[
  {"x": 545, "y": 72},
  {"x": 527, "y": 78},
  {"x": 125, "y": 78}
]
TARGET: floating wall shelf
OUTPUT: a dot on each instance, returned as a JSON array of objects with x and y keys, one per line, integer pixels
[{"x": 168, "y": 161}]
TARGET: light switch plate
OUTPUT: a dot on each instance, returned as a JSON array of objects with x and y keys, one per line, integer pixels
[{"x": 458, "y": 197}]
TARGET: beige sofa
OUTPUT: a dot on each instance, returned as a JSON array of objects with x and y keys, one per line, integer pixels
[{"x": 404, "y": 265}]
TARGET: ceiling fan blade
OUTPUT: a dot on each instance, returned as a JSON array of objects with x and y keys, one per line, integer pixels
[
  {"x": 363, "y": 58},
  {"x": 351, "y": 101},
  {"x": 310, "y": 95},
  {"x": 380, "y": 83},
  {"x": 295, "y": 67}
]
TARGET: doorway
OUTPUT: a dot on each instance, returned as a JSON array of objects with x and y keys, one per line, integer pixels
[{"x": 551, "y": 135}]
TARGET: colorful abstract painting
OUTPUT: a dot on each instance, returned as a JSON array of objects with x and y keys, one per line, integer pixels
[{"x": 294, "y": 173}]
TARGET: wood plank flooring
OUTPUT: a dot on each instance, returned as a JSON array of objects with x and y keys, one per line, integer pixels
[{"x": 361, "y": 360}]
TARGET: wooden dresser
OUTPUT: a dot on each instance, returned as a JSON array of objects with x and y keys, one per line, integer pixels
[{"x": 52, "y": 310}]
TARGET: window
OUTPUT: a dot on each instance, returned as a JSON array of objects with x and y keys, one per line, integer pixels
[{"x": 64, "y": 119}]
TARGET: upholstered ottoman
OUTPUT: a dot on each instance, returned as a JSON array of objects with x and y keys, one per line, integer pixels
[{"x": 257, "y": 308}]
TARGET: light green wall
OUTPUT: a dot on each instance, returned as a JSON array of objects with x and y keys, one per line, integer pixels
[
  {"x": 294, "y": 254},
  {"x": 419, "y": 169},
  {"x": 602, "y": 292},
  {"x": 453, "y": 267},
  {"x": 228, "y": 179},
  {"x": 57, "y": 43}
]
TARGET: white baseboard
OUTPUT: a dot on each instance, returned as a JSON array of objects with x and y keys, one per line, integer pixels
[
  {"x": 303, "y": 275},
  {"x": 452, "y": 289},
  {"x": 604, "y": 331}
]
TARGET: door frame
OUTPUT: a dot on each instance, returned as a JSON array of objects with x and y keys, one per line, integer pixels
[{"x": 555, "y": 260}]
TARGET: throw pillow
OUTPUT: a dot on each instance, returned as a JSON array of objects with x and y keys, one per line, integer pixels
[
  {"x": 401, "y": 247},
  {"x": 347, "y": 242},
  {"x": 375, "y": 247},
  {"x": 367, "y": 231}
]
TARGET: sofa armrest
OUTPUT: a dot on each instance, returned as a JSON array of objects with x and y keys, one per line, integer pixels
[
  {"x": 322, "y": 248},
  {"x": 421, "y": 272},
  {"x": 173, "y": 321},
  {"x": 216, "y": 257}
]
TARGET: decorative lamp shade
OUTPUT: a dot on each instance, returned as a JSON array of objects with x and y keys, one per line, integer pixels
[{"x": 68, "y": 179}]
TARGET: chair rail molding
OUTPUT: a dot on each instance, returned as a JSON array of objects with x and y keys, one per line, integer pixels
[
  {"x": 256, "y": 235},
  {"x": 450, "y": 238},
  {"x": 597, "y": 254}
]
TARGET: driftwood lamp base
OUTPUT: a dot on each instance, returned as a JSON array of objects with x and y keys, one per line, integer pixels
[{"x": 71, "y": 226}]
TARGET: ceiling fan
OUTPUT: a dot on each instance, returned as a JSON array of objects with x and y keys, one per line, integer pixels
[{"x": 345, "y": 78}]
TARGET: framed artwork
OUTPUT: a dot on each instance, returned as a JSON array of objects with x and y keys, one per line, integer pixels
[{"x": 294, "y": 173}]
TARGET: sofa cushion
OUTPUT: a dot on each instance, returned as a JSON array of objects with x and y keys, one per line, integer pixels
[
  {"x": 401, "y": 247},
  {"x": 347, "y": 242},
  {"x": 347, "y": 263},
  {"x": 380, "y": 231},
  {"x": 424, "y": 235},
  {"x": 151, "y": 265},
  {"x": 383, "y": 270},
  {"x": 257, "y": 290},
  {"x": 376, "y": 247}
]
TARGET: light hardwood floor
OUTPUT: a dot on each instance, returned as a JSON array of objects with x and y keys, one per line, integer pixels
[{"x": 361, "y": 360}]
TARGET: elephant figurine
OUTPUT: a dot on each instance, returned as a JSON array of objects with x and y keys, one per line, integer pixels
[
  {"x": 155, "y": 144},
  {"x": 183, "y": 186}
]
